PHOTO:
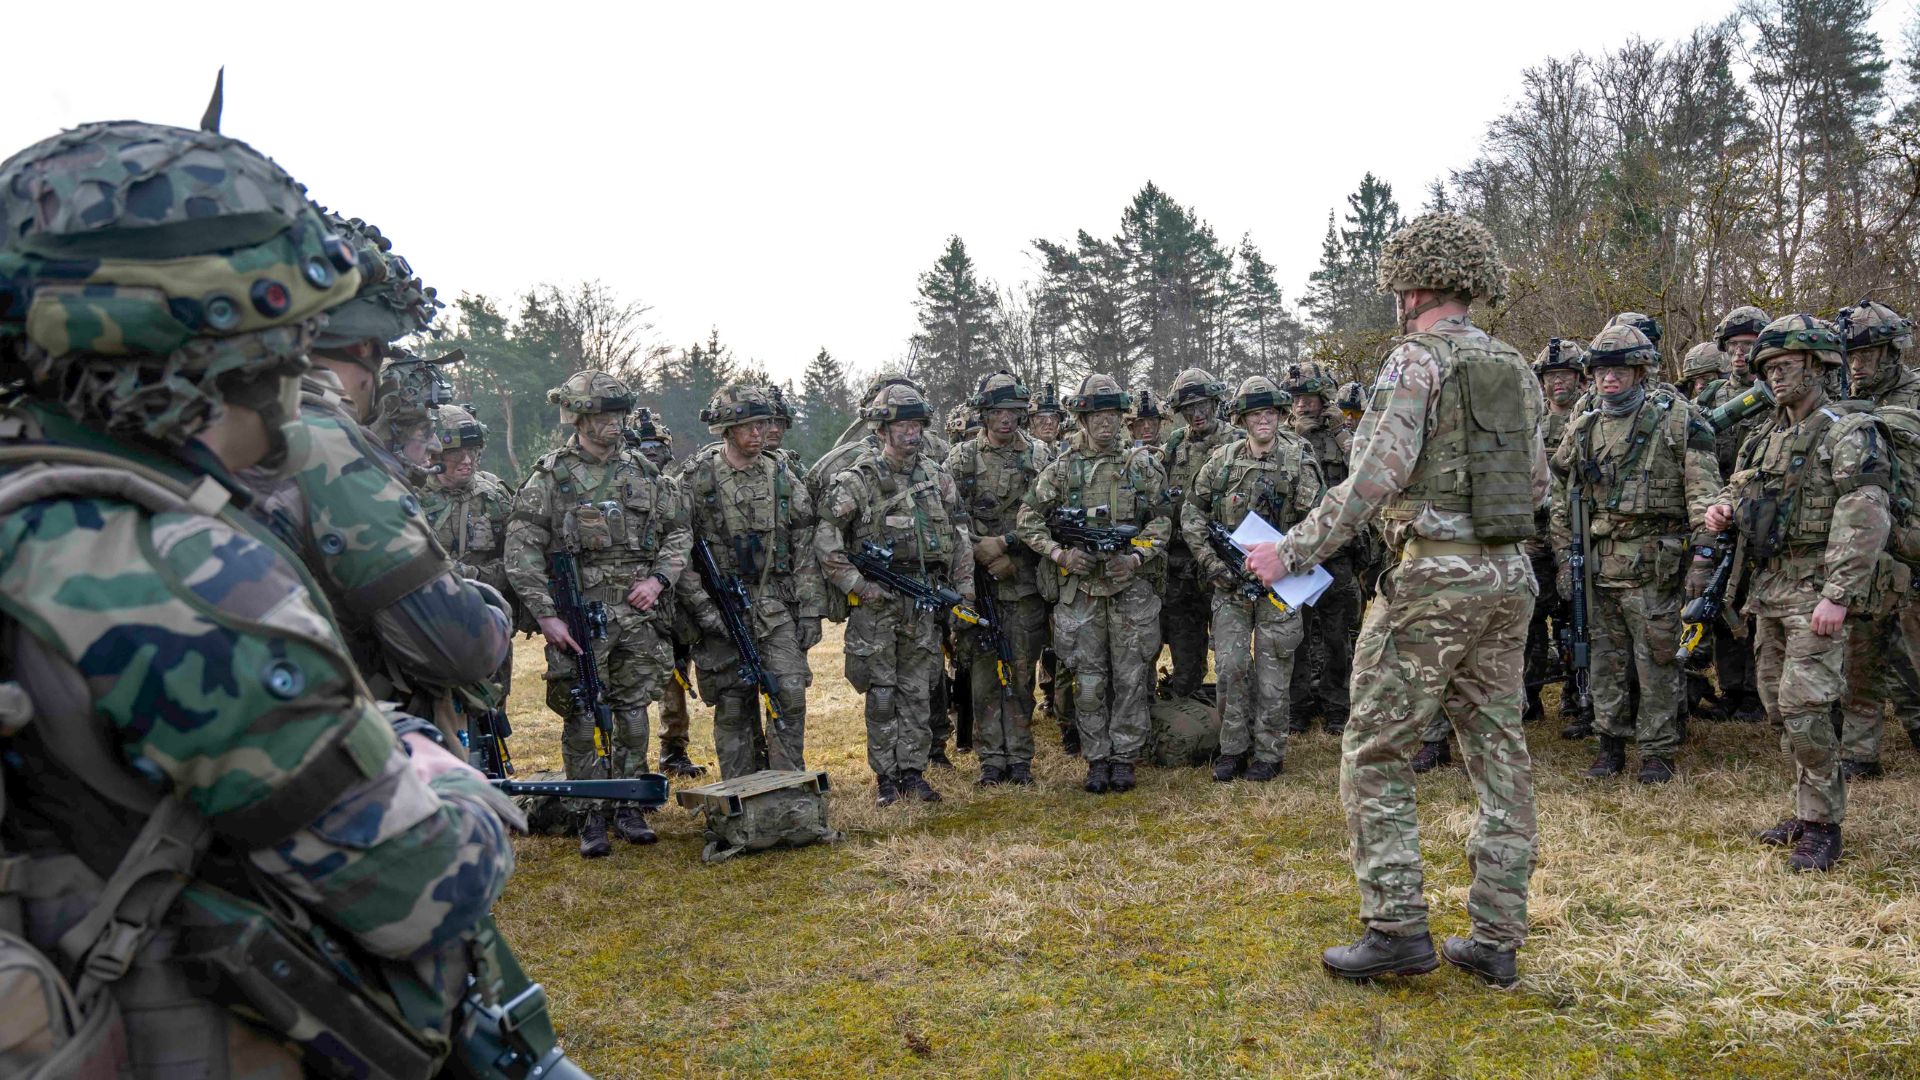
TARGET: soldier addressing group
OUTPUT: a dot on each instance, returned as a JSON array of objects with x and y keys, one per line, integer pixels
[
  {"x": 752, "y": 514},
  {"x": 1254, "y": 637},
  {"x": 1449, "y": 456},
  {"x": 625, "y": 526},
  {"x": 1106, "y": 620}
]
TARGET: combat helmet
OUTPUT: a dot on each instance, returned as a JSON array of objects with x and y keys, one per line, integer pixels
[
  {"x": 777, "y": 397},
  {"x": 889, "y": 377},
  {"x": 645, "y": 429},
  {"x": 1745, "y": 319},
  {"x": 1098, "y": 393},
  {"x": 1146, "y": 406},
  {"x": 1353, "y": 398},
  {"x": 1621, "y": 345},
  {"x": 1799, "y": 333},
  {"x": 412, "y": 388},
  {"x": 1705, "y": 358},
  {"x": 736, "y": 404},
  {"x": 1000, "y": 390},
  {"x": 1560, "y": 354},
  {"x": 1194, "y": 384},
  {"x": 1446, "y": 253},
  {"x": 1308, "y": 380},
  {"x": 590, "y": 391},
  {"x": 961, "y": 420},
  {"x": 458, "y": 428},
  {"x": 1258, "y": 392},
  {"x": 1869, "y": 323},
  {"x": 1646, "y": 324},
  {"x": 149, "y": 274},
  {"x": 390, "y": 303},
  {"x": 896, "y": 402},
  {"x": 1047, "y": 401}
]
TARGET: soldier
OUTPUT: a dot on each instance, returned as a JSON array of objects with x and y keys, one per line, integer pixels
[
  {"x": 1704, "y": 365},
  {"x": 175, "y": 673},
  {"x": 1453, "y": 623},
  {"x": 1647, "y": 473},
  {"x": 897, "y": 497},
  {"x": 993, "y": 473},
  {"x": 654, "y": 440},
  {"x": 1809, "y": 495},
  {"x": 406, "y": 413},
  {"x": 1195, "y": 395},
  {"x": 1253, "y": 639},
  {"x": 1733, "y": 653},
  {"x": 775, "y": 443},
  {"x": 1320, "y": 679},
  {"x": 626, "y": 524},
  {"x": 1352, "y": 404},
  {"x": 1146, "y": 421},
  {"x": 1043, "y": 423},
  {"x": 1107, "y": 616},
  {"x": 757, "y": 520},
  {"x": 466, "y": 506},
  {"x": 1044, "y": 417}
]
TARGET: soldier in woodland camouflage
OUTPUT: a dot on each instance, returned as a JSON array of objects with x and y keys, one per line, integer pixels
[
  {"x": 993, "y": 473},
  {"x": 754, "y": 513},
  {"x": 1045, "y": 417},
  {"x": 1320, "y": 678},
  {"x": 626, "y": 524},
  {"x": 1452, "y": 618},
  {"x": 1809, "y": 496},
  {"x": 171, "y": 671},
  {"x": 467, "y": 509},
  {"x": 1187, "y": 610},
  {"x": 1644, "y": 459},
  {"x": 1106, "y": 620},
  {"x": 1253, "y": 640},
  {"x": 895, "y": 496}
]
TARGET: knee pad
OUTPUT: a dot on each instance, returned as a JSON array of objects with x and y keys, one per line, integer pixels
[{"x": 880, "y": 703}]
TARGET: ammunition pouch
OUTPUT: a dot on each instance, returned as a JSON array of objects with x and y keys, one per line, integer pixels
[{"x": 1758, "y": 519}]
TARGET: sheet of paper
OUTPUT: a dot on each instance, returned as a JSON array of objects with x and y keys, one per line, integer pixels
[{"x": 1295, "y": 590}]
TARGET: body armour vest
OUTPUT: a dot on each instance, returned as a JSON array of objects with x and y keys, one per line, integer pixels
[{"x": 1477, "y": 458}]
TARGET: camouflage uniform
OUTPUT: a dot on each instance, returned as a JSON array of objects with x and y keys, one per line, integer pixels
[
  {"x": 1188, "y": 603},
  {"x": 172, "y": 672},
  {"x": 1648, "y": 475},
  {"x": 1106, "y": 622},
  {"x": 1253, "y": 639},
  {"x": 654, "y": 440},
  {"x": 758, "y": 523},
  {"x": 1810, "y": 499},
  {"x": 1320, "y": 679},
  {"x": 992, "y": 480},
  {"x": 469, "y": 521},
  {"x": 1057, "y": 701},
  {"x": 1733, "y": 653},
  {"x": 625, "y": 522},
  {"x": 1452, "y": 624},
  {"x": 892, "y": 648}
]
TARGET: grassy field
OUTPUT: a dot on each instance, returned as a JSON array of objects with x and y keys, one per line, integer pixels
[{"x": 1176, "y": 930}]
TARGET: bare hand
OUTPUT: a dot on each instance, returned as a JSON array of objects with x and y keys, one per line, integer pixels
[
  {"x": 554, "y": 629},
  {"x": 1266, "y": 563},
  {"x": 644, "y": 594},
  {"x": 1073, "y": 560},
  {"x": 1719, "y": 517},
  {"x": 1828, "y": 618},
  {"x": 429, "y": 759}
]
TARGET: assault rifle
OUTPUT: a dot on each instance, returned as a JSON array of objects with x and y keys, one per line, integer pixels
[
  {"x": 1702, "y": 610},
  {"x": 729, "y": 594},
  {"x": 1230, "y": 552},
  {"x": 1081, "y": 527},
  {"x": 993, "y": 632},
  {"x": 485, "y": 739},
  {"x": 1580, "y": 604},
  {"x": 587, "y": 622},
  {"x": 875, "y": 563}
]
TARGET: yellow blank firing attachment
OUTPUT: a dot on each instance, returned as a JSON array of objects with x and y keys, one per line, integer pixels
[
  {"x": 1691, "y": 635},
  {"x": 967, "y": 615},
  {"x": 773, "y": 711}
]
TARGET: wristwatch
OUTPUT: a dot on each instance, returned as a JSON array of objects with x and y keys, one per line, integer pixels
[{"x": 414, "y": 725}]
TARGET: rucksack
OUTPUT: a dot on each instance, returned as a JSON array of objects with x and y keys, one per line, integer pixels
[{"x": 1903, "y": 429}]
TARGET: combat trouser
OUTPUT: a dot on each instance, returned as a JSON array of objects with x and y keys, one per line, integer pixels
[
  {"x": 1003, "y": 717},
  {"x": 893, "y": 657},
  {"x": 1184, "y": 616},
  {"x": 675, "y": 721},
  {"x": 635, "y": 660},
  {"x": 1635, "y": 630},
  {"x": 1253, "y": 658},
  {"x": 1325, "y": 665},
  {"x": 1447, "y": 628},
  {"x": 1109, "y": 643},
  {"x": 1871, "y": 644},
  {"x": 1902, "y": 684},
  {"x": 1801, "y": 675},
  {"x": 744, "y": 738}
]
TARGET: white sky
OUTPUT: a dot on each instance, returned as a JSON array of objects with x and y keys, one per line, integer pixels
[{"x": 785, "y": 171}]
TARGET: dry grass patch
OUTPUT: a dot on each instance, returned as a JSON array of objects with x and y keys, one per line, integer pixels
[{"x": 1176, "y": 930}]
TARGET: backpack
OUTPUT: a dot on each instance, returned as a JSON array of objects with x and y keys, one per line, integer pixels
[{"x": 1903, "y": 430}]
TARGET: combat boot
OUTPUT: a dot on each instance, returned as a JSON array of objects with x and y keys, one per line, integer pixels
[
  {"x": 1579, "y": 725},
  {"x": 632, "y": 826},
  {"x": 1819, "y": 847},
  {"x": 1861, "y": 770},
  {"x": 1020, "y": 774},
  {"x": 1262, "y": 770},
  {"x": 1097, "y": 778},
  {"x": 1335, "y": 726},
  {"x": 991, "y": 776},
  {"x": 914, "y": 782},
  {"x": 1787, "y": 831},
  {"x": 1299, "y": 722},
  {"x": 885, "y": 791},
  {"x": 675, "y": 762},
  {"x": 1432, "y": 755},
  {"x": 1070, "y": 741},
  {"x": 593, "y": 837},
  {"x": 1612, "y": 759},
  {"x": 1655, "y": 770},
  {"x": 1378, "y": 954},
  {"x": 1913, "y": 736},
  {"x": 1228, "y": 766},
  {"x": 1493, "y": 966},
  {"x": 938, "y": 757},
  {"x": 1750, "y": 709},
  {"x": 1120, "y": 776}
]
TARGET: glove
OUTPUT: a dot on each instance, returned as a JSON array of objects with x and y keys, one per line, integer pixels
[
  {"x": 868, "y": 592},
  {"x": 989, "y": 549},
  {"x": 1699, "y": 573},
  {"x": 711, "y": 624},
  {"x": 1121, "y": 567},
  {"x": 1001, "y": 566},
  {"x": 808, "y": 631},
  {"x": 1074, "y": 560},
  {"x": 1563, "y": 581}
]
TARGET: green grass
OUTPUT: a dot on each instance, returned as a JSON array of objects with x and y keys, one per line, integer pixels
[{"x": 1176, "y": 930}]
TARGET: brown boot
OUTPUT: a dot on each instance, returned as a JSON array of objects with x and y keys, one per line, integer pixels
[{"x": 1612, "y": 759}]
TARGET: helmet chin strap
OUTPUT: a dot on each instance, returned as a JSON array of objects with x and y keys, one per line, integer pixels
[{"x": 1406, "y": 318}]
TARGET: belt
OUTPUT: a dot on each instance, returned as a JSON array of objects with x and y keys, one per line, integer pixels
[{"x": 1421, "y": 547}]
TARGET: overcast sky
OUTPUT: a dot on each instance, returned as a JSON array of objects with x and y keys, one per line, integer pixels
[{"x": 785, "y": 171}]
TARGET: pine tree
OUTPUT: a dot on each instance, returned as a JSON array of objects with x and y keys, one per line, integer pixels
[
  {"x": 1344, "y": 295},
  {"x": 1266, "y": 335},
  {"x": 825, "y": 405},
  {"x": 956, "y": 314}
]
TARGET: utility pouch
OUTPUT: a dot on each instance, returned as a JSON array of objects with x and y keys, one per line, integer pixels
[
  {"x": 45, "y": 1033},
  {"x": 1758, "y": 518}
]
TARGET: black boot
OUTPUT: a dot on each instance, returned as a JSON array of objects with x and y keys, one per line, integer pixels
[
  {"x": 1579, "y": 725},
  {"x": 593, "y": 837},
  {"x": 885, "y": 791},
  {"x": 1228, "y": 766},
  {"x": 1493, "y": 966},
  {"x": 1655, "y": 770},
  {"x": 914, "y": 782},
  {"x": 1749, "y": 709},
  {"x": 1535, "y": 710},
  {"x": 1070, "y": 741},
  {"x": 1020, "y": 773},
  {"x": 1097, "y": 778},
  {"x": 1612, "y": 759},
  {"x": 1432, "y": 755},
  {"x": 1818, "y": 849},
  {"x": 1861, "y": 770},
  {"x": 1262, "y": 770},
  {"x": 1120, "y": 776},
  {"x": 632, "y": 826},
  {"x": 1378, "y": 954},
  {"x": 991, "y": 776},
  {"x": 675, "y": 762},
  {"x": 937, "y": 757},
  {"x": 1333, "y": 725},
  {"x": 1913, "y": 736},
  {"x": 1787, "y": 831}
]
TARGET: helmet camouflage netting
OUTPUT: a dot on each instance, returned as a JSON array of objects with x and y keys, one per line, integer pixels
[{"x": 1443, "y": 252}]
